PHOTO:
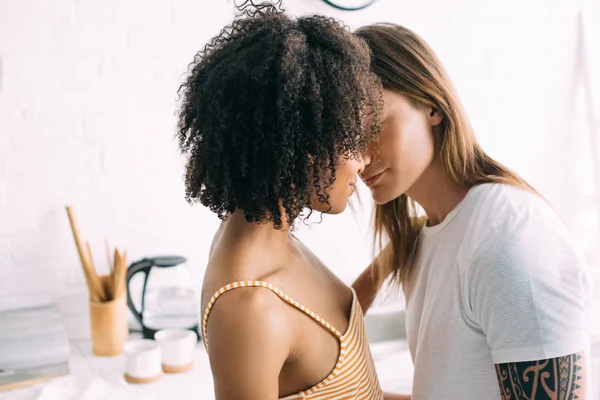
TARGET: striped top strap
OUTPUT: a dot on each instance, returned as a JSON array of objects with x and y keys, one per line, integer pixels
[{"x": 283, "y": 296}]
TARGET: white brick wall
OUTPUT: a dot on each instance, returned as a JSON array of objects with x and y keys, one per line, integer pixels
[
  {"x": 87, "y": 101},
  {"x": 87, "y": 118}
]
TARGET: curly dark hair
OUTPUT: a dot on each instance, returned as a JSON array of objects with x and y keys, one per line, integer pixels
[{"x": 268, "y": 107}]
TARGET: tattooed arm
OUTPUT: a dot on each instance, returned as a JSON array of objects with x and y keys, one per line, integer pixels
[{"x": 561, "y": 378}]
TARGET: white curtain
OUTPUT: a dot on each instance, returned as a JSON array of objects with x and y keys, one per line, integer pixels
[
  {"x": 589, "y": 55},
  {"x": 583, "y": 205}
]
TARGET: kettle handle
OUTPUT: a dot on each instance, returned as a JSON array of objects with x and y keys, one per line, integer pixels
[{"x": 144, "y": 265}]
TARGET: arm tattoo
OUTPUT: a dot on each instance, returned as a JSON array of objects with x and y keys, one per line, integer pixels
[{"x": 558, "y": 378}]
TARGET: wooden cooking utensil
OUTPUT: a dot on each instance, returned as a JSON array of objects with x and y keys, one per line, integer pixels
[
  {"x": 116, "y": 273},
  {"x": 111, "y": 265},
  {"x": 123, "y": 275},
  {"x": 96, "y": 282},
  {"x": 119, "y": 274},
  {"x": 93, "y": 285}
]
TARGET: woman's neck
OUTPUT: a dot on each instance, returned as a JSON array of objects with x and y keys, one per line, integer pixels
[
  {"x": 437, "y": 193},
  {"x": 238, "y": 230},
  {"x": 248, "y": 250}
]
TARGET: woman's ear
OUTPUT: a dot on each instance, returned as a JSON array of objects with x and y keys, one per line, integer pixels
[{"x": 435, "y": 117}]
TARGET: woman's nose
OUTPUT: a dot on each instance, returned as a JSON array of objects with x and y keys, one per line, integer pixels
[
  {"x": 361, "y": 165},
  {"x": 366, "y": 158}
]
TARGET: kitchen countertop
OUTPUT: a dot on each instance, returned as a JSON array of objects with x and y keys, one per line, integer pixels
[{"x": 95, "y": 378}]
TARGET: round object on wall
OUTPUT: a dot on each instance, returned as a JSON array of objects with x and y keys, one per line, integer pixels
[{"x": 350, "y": 5}]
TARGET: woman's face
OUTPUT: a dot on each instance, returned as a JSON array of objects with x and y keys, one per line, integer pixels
[
  {"x": 404, "y": 151},
  {"x": 346, "y": 174}
]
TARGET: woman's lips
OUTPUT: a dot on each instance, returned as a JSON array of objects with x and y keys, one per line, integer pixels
[{"x": 372, "y": 180}]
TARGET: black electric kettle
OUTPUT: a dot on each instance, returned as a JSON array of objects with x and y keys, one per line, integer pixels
[{"x": 168, "y": 299}]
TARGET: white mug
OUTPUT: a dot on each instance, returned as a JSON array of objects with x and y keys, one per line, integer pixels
[
  {"x": 142, "y": 361},
  {"x": 177, "y": 347}
]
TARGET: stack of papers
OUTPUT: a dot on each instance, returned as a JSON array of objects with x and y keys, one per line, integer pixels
[{"x": 34, "y": 345}]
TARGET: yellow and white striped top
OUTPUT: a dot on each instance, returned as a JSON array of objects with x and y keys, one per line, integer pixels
[{"x": 354, "y": 376}]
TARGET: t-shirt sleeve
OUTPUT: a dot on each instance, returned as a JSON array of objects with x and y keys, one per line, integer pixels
[{"x": 528, "y": 290}]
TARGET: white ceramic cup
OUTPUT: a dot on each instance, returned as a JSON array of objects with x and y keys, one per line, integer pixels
[
  {"x": 143, "y": 360},
  {"x": 177, "y": 347}
]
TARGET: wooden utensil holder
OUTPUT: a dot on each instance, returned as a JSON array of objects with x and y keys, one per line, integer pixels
[{"x": 109, "y": 325}]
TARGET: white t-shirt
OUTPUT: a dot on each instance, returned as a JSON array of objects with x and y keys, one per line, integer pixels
[{"x": 498, "y": 281}]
